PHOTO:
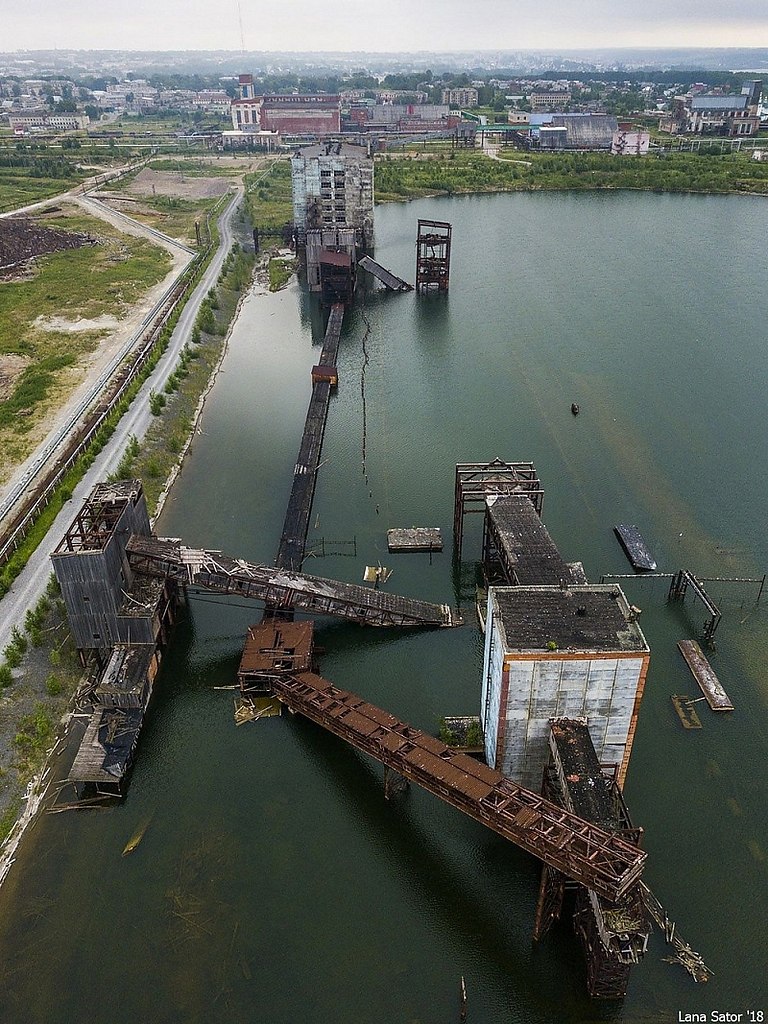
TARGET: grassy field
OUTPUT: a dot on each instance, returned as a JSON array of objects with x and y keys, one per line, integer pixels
[
  {"x": 26, "y": 178},
  {"x": 85, "y": 283},
  {"x": 268, "y": 195},
  {"x": 454, "y": 173},
  {"x": 173, "y": 216}
]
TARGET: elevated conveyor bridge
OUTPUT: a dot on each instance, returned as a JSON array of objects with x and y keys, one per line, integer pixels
[
  {"x": 281, "y": 588},
  {"x": 596, "y": 857}
]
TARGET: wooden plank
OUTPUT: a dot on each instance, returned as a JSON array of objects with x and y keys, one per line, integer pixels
[
  {"x": 705, "y": 676},
  {"x": 686, "y": 712},
  {"x": 417, "y": 538}
]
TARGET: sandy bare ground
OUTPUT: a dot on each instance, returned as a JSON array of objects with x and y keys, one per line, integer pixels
[
  {"x": 149, "y": 182},
  {"x": 11, "y": 367},
  {"x": 116, "y": 333}
]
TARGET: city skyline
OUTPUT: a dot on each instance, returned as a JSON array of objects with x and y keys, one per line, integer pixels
[{"x": 404, "y": 26}]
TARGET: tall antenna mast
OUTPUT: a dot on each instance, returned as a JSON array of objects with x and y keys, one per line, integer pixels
[{"x": 240, "y": 21}]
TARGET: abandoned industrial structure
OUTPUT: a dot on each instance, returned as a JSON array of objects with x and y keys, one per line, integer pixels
[
  {"x": 332, "y": 191},
  {"x": 564, "y": 660}
]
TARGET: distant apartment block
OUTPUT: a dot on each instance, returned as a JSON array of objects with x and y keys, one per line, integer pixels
[
  {"x": 460, "y": 97},
  {"x": 21, "y": 122},
  {"x": 554, "y": 100}
]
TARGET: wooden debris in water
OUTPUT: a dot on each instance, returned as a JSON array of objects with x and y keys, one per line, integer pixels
[
  {"x": 684, "y": 955},
  {"x": 137, "y": 836},
  {"x": 686, "y": 711},
  {"x": 705, "y": 676},
  {"x": 377, "y": 574},
  {"x": 251, "y": 709}
]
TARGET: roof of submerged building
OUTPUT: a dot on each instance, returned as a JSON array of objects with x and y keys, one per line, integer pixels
[{"x": 593, "y": 618}]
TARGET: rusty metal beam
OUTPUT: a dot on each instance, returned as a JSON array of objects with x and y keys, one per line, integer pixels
[
  {"x": 581, "y": 850},
  {"x": 282, "y": 589}
]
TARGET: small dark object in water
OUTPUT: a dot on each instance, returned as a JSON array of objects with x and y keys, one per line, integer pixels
[{"x": 574, "y": 409}]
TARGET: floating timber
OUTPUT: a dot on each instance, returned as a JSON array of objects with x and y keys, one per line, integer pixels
[
  {"x": 683, "y": 955},
  {"x": 704, "y": 675},
  {"x": 596, "y": 857},
  {"x": 280, "y": 588},
  {"x": 686, "y": 712},
  {"x": 635, "y": 547},
  {"x": 388, "y": 279},
  {"x": 418, "y": 538}
]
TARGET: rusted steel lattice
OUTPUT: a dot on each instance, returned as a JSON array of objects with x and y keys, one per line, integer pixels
[
  {"x": 587, "y": 853},
  {"x": 433, "y": 256}
]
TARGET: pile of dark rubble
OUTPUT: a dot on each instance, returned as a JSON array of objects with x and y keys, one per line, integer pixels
[{"x": 23, "y": 239}]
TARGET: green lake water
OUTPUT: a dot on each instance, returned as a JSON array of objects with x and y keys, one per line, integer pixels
[{"x": 274, "y": 883}]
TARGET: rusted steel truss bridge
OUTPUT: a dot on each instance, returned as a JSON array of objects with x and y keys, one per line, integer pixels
[
  {"x": 281, "y": 588},
  {"x": 597, "y": 858}
]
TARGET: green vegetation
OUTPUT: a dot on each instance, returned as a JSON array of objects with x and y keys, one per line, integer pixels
[
  {"x": 27, "y": 177},
  {"x": 280, "y": 273},
  {"x": 466, "y": 734},
  {"x": 448, "y": 736},
  {"x": 64, "y": 491},
  {"x": 33, "y": 740},
  {"x": 172, "y": 215},
  {"x": 407, "y": 178},
  {"x": 156, "y": 403},
  {"x": 474, "y": 737},
  {"x": 95, "y": 280},
  {"x": 8, "y": 817},
  {"x": 268, "y": 196},
  {"x": 32, "y": 388}
]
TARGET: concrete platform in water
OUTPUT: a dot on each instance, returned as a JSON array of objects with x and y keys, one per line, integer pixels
[
  {"x": 635, "y": 547},
  {"x": 418, "y": 538}
]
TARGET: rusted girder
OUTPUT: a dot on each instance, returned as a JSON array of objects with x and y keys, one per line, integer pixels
[
  {"x": 581, "y": 850},
  {"x": 283, "y": 589}
]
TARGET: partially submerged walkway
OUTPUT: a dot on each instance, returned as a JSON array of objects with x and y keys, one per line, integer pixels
[
  {"x": 280, "y": 588},
  {"x": 293, "y": 540}
]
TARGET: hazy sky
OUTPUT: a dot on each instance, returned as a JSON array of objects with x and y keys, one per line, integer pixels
[{"x": 379, "y": 25}]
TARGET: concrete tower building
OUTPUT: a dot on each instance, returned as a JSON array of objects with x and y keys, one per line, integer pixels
[
  {"x": 332, "y": 186},
  {"x": 568, "y": 651}
]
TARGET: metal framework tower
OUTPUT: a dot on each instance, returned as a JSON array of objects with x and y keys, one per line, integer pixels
[{"x": 433, "y": 256}]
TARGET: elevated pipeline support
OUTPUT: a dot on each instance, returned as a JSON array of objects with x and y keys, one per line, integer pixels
[
  {"x": 282, "y": 589},
  {"x": 585, "y": 852}
]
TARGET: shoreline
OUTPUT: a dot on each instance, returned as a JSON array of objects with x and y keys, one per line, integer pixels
[{"x": 39, "y": 786}]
